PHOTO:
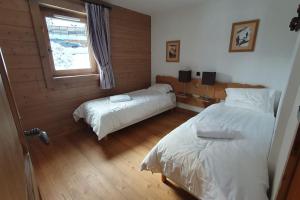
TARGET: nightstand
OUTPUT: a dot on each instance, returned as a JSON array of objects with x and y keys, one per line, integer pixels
[{"x": 195, "y": 101}]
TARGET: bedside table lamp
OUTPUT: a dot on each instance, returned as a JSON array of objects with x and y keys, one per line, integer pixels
[
  {"x": 185, "y": 76},
  {"x": 208, "y": 78}
]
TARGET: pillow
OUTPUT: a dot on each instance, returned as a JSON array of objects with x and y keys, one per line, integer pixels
[
  {"x": 163, "y": 88},
  {"x": 215, "y": 132},
  {"x": 260, "y": 100},
  {"x": 119, "y": 98}
]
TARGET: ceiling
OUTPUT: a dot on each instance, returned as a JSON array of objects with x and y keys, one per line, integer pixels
[{"x": 152, "y": 7}]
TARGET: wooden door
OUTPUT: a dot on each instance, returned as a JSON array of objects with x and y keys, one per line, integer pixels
[
  {"x": 294, "y": 190},
  {"x": 16, "y": 172},
  {"x": 291, "y": 180},
  {"x": 294, "y": 187}
]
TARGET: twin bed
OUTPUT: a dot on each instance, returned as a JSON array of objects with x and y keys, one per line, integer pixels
[
  {"x": 218, "y": 167},
  {"x": 105, "y": 116}
]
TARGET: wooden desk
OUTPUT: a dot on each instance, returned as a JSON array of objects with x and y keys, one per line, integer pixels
[{"x": 194, "y": 101}]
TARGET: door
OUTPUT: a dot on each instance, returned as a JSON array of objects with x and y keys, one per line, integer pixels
[
  {"x": 293, "y": 189},
  {"x": 16, "y": 175},
  {"x": 291, "y": 177},
  {"x": 289, "y": 188},
  {"x": 294, "y": 192}
]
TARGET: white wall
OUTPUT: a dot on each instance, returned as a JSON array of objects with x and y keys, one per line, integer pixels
[{"x": 204, "y": 31}]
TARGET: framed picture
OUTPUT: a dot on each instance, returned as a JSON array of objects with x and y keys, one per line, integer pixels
[
  {"x": 243, "y": 36},
  {"x": 173, "y": 51}
]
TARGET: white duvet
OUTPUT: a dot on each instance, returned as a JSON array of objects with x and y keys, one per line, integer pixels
[
  {"x": 106, "y": 117},
  {"x": 216, "y": 169}
]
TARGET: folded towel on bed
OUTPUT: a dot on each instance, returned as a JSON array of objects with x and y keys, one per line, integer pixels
[
  {"x": 119, "y": 98},
  {"x": 215, "y": 132}
]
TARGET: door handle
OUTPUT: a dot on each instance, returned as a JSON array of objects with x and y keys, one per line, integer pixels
[
  {"x": 39, "y": 133},
  {"x": 298, "y": 114}
]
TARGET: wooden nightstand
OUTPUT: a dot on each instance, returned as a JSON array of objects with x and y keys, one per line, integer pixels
[{"x": 195, "y": 101}]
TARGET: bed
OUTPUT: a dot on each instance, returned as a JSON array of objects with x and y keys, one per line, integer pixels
[
  {"x": 210, "y": 168},
  {"x": 105, "y": 116}
]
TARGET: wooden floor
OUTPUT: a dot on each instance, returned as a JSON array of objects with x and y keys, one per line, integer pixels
[{"x": 77, "y": 166}]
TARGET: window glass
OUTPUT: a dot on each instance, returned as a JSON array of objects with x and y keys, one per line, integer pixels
[{"x": 69, "y": 44}]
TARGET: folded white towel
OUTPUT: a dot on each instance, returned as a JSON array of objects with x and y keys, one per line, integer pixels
[
  {"x": 215, "y": 132},
  {"x": 119, "y": 98}
]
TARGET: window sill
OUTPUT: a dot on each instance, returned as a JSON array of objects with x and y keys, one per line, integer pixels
[
  {"x": 62, "y": 82},
  {"x": 76, "y": 76}
]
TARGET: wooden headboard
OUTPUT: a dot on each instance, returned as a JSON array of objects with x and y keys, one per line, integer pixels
[{"x": 216, "y": 91}]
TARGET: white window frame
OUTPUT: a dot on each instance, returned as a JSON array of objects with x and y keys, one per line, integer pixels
[{"x": 50, "y": 12}]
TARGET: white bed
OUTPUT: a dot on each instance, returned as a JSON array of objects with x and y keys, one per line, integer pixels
[
  {"x": 216, "y": 169},
  {"x": 106, "y": 117}
]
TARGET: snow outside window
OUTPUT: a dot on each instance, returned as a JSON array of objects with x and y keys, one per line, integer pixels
[{"x": 69, "y": 43}]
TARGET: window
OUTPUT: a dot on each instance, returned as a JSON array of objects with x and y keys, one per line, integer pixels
[{"x": 66, "y": 36}]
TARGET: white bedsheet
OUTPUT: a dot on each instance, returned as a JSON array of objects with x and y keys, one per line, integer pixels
[
  {"x": 215, "y": 169},
  {"x": 106, "y": 117}
]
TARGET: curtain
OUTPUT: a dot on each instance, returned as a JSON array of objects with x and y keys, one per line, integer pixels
[{"x": 99, "y": 38}]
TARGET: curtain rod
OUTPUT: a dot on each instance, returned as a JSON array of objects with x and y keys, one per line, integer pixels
[{"x": 99, "y": 2}]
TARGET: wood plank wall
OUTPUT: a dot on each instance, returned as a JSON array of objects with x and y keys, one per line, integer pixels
[
  {"x": 216, "y": 91},
  {"x": 51, "y": 109}
]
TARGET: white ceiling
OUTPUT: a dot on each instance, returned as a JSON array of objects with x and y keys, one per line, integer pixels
[{"x": 151, "y": 7}]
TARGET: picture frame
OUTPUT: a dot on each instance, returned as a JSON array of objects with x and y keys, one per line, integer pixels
[
  {"x": 173, "y": 51},
  {"x": 243, "y": 36}
]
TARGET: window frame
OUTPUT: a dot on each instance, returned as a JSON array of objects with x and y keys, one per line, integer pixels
[{"x": 50, "y": 12}]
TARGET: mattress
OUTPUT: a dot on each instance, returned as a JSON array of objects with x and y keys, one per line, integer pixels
[
  {"x": 210, "y": 169},
  {"x": 106, "y": 117}
]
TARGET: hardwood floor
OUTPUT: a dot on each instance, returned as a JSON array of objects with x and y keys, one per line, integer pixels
[{"x": 77, "y": 166}]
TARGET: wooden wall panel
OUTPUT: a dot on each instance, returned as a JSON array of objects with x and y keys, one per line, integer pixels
[
  {"x": 15, "y": 18},
  {"x": 13, "y": 33},
  {"x": 22, "y": 62},
  {"x": 17, "y": 5},
  {"x": 51, "y": 109},
  {"x": 216, "y": 91},
  {"x": 15, "y": 48}
]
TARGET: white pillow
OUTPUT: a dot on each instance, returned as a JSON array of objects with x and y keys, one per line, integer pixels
[
  {"x": 163, "y": 88},
  {"x": 261, "y": 100},
  {"x": 119, "y": 98}
]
